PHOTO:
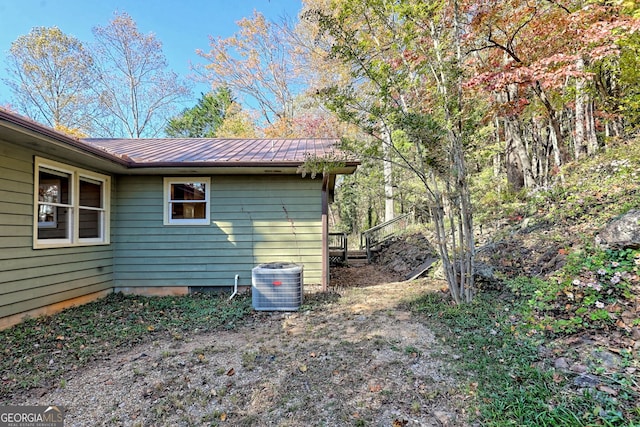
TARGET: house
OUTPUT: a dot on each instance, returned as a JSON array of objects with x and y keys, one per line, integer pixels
[{"x": 82, "y": 218}]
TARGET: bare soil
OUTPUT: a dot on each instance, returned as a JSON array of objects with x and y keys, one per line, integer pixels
[{"x": 352, "y": 357}]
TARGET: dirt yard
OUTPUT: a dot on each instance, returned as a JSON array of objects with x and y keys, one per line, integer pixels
[{"x": 356, "y": 358}]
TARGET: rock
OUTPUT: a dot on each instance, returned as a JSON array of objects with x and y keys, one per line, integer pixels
[
  {"x": 622, "y": 232},
  {"x": 561, "y": 363},
  {"x": 578, "y": 368},
  {"x": 485, "y": 277},
  {"x": 586, "y": 380},
  {"x": 444, "y": 418},
  {"x": 607, "y": 359}
]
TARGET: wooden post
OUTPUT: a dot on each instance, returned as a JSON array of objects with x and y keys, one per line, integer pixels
[{"x": 325, "y": 233}]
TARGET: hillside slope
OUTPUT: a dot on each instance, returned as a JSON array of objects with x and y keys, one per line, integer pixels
[{"x": 576, "y": 304}]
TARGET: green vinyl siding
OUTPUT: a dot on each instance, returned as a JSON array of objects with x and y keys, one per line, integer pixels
[
  {"x": 31, "y": 279},
  {"x": 254, "y": 220}
]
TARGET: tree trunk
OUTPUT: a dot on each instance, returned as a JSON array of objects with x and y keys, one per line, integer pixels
[
  {"x": 579, "y": 142},
  {"x": 553, "y": 116},
  {"x": 388, "y": 177},
  {"x": 592, "y": 137},
  {"x": 516, "y": 150}
]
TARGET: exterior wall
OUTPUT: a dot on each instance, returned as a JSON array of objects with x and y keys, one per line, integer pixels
[
  {"x": 254, "y": 220},
  {"x": 32, "y": 279}
]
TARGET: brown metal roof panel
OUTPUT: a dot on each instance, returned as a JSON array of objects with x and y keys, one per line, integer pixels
[{"x": 216, "y": 150}]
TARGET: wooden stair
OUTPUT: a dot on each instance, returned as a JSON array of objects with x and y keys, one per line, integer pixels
[{"x": 357, "y": 258}]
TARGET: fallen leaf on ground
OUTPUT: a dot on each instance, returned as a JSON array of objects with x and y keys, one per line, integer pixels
[{"x": 608, "y": 390}]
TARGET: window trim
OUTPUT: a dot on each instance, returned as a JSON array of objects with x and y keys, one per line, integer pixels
[
  {"x": 166, "y": 191},
  {"x": 75, "y": 175}
]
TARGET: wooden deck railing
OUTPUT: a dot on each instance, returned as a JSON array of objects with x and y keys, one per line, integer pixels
[
  {"x": 337, "y": 248},
  {"x": 373, "y": 237}
]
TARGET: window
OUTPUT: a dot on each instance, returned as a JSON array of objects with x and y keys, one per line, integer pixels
[
  {"x": 71, "y": 206},
  {"x": 186, "y": 201}
]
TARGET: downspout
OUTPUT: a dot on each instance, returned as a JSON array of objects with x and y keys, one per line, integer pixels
[
  {"x": 325, "y": 232},
  {"x": 235, "y": 287}
]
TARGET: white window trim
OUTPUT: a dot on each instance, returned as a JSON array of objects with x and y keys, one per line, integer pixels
[
  {"x": 166, "y": 189},
  {"x": 74, "y": 174}
]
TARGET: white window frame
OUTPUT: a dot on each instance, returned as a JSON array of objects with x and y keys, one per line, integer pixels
[
  {"x": 168, "y": 181},
  {"x": 75, "y": 175}
]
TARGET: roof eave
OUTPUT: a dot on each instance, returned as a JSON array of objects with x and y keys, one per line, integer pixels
[
  {"x": 230, "y": 167},
  {"x": 25, "y": 126}
]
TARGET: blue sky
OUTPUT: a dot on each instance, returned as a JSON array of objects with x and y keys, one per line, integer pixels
[{"x": 181, "y": 25}]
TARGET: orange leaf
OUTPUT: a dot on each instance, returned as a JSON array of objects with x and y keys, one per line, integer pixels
[
  {"x": 375, "y": 388},
  {"x": 621, "y": 324}
]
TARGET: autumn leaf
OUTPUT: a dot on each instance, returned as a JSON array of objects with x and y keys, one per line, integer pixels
[
  {"x": 302, "y": 368},
  {"x": 223, "y": 416},
  {"x": 231, "y": 372},
  {"x": 621, "y": 324},
  {"x": 608, "y": 390}
]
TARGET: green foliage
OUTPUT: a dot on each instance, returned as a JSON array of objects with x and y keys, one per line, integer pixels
[
  {"x": 203, "y": 119},
  {"x": 360, "y": 198},
  {"x": 501, "y": 370},
  {"x": 39, "y": 351},
  {"x": 589, "y": 292},
  {"x": 623, "y": 97}
]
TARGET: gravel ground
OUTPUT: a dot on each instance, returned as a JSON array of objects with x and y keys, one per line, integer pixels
[{"x": 355, "y": 357}]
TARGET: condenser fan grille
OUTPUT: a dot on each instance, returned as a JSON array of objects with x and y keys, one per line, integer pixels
[{"x": 277, "y": 286}]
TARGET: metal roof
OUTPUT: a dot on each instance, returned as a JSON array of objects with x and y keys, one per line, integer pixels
[
  {"x": 144, "y": 155},
  {"x": 216, "y": 150}
]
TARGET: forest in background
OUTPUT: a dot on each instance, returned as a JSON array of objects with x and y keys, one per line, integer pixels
[{"x": 455, "y": 107}]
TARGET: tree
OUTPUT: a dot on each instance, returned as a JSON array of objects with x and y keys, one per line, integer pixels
[
  {"x": 204, "y": 119},
  {"x": 405, "y": 61},
  {"x": 536, "y": 61},
  {"x": 135, "y": 90},
  {"x": 237, "y": 123},
  {"x": 50, "y": 76},
  {"x": 257, "y": 64}
]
